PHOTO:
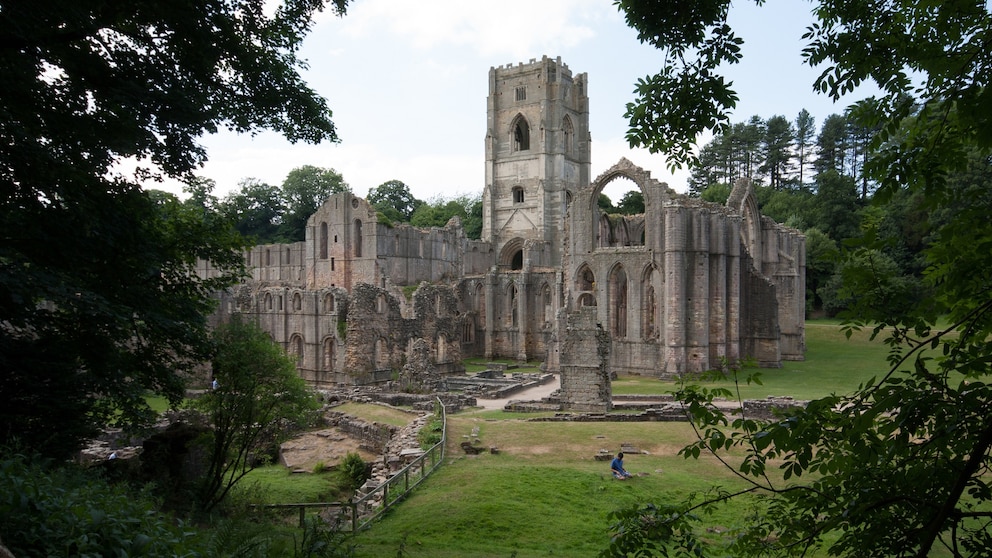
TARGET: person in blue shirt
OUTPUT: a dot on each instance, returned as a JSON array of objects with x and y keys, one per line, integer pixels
[{"x": 616, "y": 467}]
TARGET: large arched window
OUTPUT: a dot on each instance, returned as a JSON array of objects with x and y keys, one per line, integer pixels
[
  {"x": 584, "y": 279},
  {"x": 521, "y": 134},
  {"x": 617, "y": 300}
]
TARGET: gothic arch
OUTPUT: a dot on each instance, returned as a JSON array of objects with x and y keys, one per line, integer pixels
[
  {"x": 567, "y": 135},
  {"x": 743, "y": 201},
  {"x": 358, "y": 238},
  {"x": 650, "y": 306},
  {"x": 519, "y": 134},
  {"x": 546, "y": 306},
  {"x": 585, "y": 279},
  {"x": 327, "y": 354},
  {"x": 616, "y": 297}
]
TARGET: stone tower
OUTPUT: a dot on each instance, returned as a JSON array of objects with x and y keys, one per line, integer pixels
[{"x": 537, "y": 156}]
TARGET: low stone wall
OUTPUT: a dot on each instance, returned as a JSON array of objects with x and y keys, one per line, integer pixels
[{"x": 373, "y": 436}]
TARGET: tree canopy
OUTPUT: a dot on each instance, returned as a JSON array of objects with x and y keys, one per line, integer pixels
[
  {"x": 899, "y": 466},
  {"x": 98, "y": 292}
]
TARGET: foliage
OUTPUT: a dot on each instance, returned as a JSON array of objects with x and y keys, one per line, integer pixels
[
  {"x": 632, "y": 203},
  {"x": 322, "y": 541},
  {"x": 256, "y": 209},
  {"x": 696, "y": 41},
  {"x": 430, "y": 433},
  {"x": 258, "y": 399},
  {"x": 98, "y": 294},
  {"x": 899, "y": 466},
  {"x": 68, "y": 511},
  {"x": 354, "y": 469},
  {"x": 304, "y": 191},
  {"x": 393, "y": 198}
]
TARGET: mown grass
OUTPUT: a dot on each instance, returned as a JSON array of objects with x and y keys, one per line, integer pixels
[
  {"x": 834, "y": 364},
  {"x": 376, "y": 413},
  {"x": 544, "y": 494}
]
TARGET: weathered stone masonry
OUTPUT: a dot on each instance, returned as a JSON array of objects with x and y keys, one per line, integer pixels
[{"x": 681, "y": 288}]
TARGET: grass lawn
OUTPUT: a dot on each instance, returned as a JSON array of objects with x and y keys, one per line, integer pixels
[
  {"x": 834, "y": 364},
  {"x": 544, "y": 494}
]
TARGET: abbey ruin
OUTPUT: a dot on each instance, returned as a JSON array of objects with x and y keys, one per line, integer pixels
[{"x": 683, "y": 287}]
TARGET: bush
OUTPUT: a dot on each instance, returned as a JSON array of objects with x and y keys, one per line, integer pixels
[
  {"x": 69, "y": 511},
  {"x": 354, "y": 469},
  {"x": 430, "y": 434}
]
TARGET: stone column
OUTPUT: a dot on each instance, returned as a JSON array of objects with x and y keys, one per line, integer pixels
[
  {"x": 675, "y": 290},
  {"x": 490, "y": 282},
  {"x": 718, "y": 287}
]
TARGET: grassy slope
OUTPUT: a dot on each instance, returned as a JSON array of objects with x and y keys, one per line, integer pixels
[{"x": 545, "y": 495}]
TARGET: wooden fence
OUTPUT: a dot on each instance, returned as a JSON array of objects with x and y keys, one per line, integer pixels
[{"x": 358, "y": 514}]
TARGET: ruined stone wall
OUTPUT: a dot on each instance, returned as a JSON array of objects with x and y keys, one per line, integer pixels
[{"x": 585, "y": 368}]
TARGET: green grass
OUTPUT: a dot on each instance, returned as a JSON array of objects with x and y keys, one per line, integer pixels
[
  {"x": 544, "y": 494},
  {"x": 376, "y": 413},
  {"x": 834, "y": 364},
  {"x": 275, "y": 484}
]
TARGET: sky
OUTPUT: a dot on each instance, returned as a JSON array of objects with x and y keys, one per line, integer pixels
[{"x": 407, "y": 83}]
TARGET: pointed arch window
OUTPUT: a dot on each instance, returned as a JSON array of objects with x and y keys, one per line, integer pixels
[
  {"x": 567, "y": 135},
  {"x": 521, "y": 134}
]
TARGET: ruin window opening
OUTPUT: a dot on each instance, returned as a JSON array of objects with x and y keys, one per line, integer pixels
[
  {"x": 521, "y": 135},
  {"x": 513, "y": 306},
  {"x": 567, "y": 134},
  {"x": 332, "y": 264},
  {"x": 521, "y": 93},
  {"x": 517, "y": 262},
  {"x": 323, "y": 241},
  {"x": 268, "y": 256},
  {"x": 585, "y": 280},
  {"x": 617, "y": 297},
  {"x": 288, "y": 258},
  {"x": 297, "y": 302},
  {"x": 268, "y": 301},
  {"x": 328, "y": 303},
  {"x": 518, "y": 194},
  {"x": 296, "y": 349},
  {"x": 358, "y": 238},
  {"x": 328, "y": 354}
]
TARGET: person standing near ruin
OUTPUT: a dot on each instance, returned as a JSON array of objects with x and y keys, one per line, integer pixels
[{"x": 616, "y": 467}]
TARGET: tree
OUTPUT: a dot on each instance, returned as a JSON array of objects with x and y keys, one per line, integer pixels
[
  {"x": 258, "y": 399},
  {"x": 632, "y": 203},
  {"x": 303, "y": 192},
  {"x": 777, "y": 148},
  {"x": 831, "y": 145},
  {"x": 98, "y": 292},
  {"x": 899, "y": 465},
  {"x": 255, "y": 209},
  {"x": 394, "y": 200},
  {"x": 805, "y": 128},
  {"x": 835, "y": 207}
]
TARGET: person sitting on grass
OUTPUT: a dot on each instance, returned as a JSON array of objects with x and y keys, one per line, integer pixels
[{"x": 616, "y": 466}]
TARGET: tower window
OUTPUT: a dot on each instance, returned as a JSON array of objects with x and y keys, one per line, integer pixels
[
  {"x": 518, "y": 195},
  {"x": 521, "y": 135},
  {"x": 521, "y": 94}
]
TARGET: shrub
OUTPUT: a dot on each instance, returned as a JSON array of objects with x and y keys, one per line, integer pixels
[
  {"x": 354, "y": 469},
  {"x": 69, "y": 511}
]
